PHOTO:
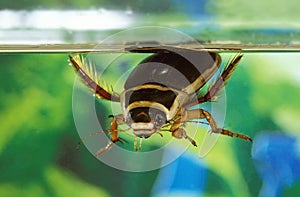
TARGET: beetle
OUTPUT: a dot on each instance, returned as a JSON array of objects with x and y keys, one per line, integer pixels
[{"x": 161, "y": 90}]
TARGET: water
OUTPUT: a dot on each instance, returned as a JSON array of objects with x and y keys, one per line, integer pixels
[
  {"x": 38, "y": 131},
  {"x": 38, "y": 137},
  {"x": 120, "y": 47},
  {"x": 39, "y": 134}
]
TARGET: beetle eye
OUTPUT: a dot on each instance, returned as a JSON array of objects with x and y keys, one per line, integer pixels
[
  {"x": 160, "y": 120},
  {"x": 128, "y": 119}
]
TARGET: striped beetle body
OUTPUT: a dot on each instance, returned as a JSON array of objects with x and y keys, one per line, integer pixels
[
  {"x": 161, "y": 89},
  {"x": 157, "y": 88}
]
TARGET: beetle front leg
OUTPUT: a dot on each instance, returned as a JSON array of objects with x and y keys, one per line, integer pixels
[
  {"x": 201, "y": 114},
  {"x": 118, "y": 119}
]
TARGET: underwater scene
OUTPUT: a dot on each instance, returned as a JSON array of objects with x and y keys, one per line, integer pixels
[
  {"x": 39, "y": 138},
  {"x": 53, "y": 128}
]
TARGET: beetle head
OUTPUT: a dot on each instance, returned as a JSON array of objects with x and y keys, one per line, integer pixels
[{"x": 145, "y": 121}]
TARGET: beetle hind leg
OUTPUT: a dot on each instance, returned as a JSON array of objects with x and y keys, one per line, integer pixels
[
  {"x": 88, "y": 74},
  {"x": 231, "y": 134}
]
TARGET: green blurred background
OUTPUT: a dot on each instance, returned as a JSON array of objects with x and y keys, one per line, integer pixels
[{"x": 38, "y": 138}]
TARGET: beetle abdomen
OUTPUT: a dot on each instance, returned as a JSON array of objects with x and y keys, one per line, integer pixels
[{"x": 176, "y": 70}]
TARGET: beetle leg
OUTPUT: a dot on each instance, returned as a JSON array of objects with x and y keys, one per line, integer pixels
[
  {"x": 107, "y": 147},
  {"x": 118, "y": 119},
  {"x": 201, "y": 114},
  {"x": 218, "y": 84},
  {"x": 180, "y": 133},
  {"x": 88, "y": 74},
  {"x": 221, "y": 81}
]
